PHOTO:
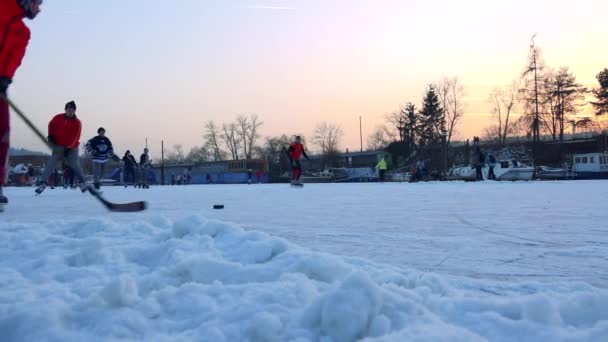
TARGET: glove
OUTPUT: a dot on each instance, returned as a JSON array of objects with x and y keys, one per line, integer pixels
[
  {"x": 50, "y": 139},
  {"x": 66, "y": 152},
  {"x": 4, "y": 83}
]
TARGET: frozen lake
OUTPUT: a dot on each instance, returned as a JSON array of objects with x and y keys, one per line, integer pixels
[{"x": 327, "y": 262}]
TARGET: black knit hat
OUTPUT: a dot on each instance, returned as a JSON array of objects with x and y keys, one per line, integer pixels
[
  {"x": 100, "y": 129},
  {"x": 70, "y": 104},
  {"x": 27, "y": 6}
]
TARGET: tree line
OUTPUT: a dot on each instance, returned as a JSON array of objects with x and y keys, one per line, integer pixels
[{"x": 541, "y": 100}]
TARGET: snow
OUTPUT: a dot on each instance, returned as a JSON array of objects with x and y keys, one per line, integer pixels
[{"x": 328, "y": 262}]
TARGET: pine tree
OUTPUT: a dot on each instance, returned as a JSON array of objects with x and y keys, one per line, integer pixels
[
  {"x": 431, "y": 120},
  {"x": 601, "y": 93},
  {"x": 409, "y": 126}
]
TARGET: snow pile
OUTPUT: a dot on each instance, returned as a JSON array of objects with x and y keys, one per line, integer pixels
[{"x": 156, "y": 279}]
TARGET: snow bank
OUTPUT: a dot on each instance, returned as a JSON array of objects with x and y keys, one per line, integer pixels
[{"x": 156, "y": 279}]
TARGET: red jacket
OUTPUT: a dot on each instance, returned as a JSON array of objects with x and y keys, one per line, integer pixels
[
  {"x": 65, "y": 131},
  {"x": 14, "y": 37},
  {"x": 296, "y": 150}
]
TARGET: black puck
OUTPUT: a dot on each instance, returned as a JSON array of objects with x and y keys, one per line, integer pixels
[{"x": 218, "y": 206}]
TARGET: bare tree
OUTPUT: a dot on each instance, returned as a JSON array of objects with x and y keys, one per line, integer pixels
[
  {"x": 231, "y": 139},
  {"x": 247, "y": 129},
  {"x": 503, "y": 102},
  {"x": 212, "y": 138},
  {"x": 198, "y": 155},
  {"x": 176, "y": 156},
  {"x": 522, "y": 127},
  {"x": 327, "y": 137},
  {"x": 274, "y": 151},
  {"x": 378, "y": 139},
  {"x": 531, "y": 77},
  {"x": 451, "y": 94},
  {"x": 396, "y": 126},
  {"x": 585, "y": 123}
]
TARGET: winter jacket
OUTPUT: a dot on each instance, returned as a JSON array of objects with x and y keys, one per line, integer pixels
[
  {"x": 130, "y": 162},
  {"x": 295, "y": 151},
  {"x": 491, "y": 160},
  {"x": 64, "y": 131},
  {"x": 144, "y": 160},
  {"x": 100, "y": 148},
  {"x": 14, "y": 37},
  {"x": 381, "y": 165}
]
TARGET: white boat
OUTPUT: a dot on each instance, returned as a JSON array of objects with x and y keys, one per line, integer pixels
[
  {"x": 584, "y": 166},
  {"x": 590, "y": 166},
  {"x": 398, "y": 177},
  {"x": 505, "y": 170}
]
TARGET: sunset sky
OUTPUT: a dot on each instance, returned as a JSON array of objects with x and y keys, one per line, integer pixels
[{"x": 161, "y": 69}]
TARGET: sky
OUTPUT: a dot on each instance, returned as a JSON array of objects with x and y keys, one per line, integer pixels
[{"x": 159, "y": 70}]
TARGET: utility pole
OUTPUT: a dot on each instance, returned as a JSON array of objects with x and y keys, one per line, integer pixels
[
  {"x": 535, "y": 124},
  {"x": 162, "y": 162},
  {"x": 360, "y": 133}
]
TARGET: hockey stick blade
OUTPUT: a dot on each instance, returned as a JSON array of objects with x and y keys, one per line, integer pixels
[{"x": 118, "y": 207}]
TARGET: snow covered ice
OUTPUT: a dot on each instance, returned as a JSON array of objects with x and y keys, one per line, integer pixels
[{"x": 329, "y": 262}]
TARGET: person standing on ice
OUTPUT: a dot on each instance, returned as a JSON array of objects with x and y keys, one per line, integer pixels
[
  {"x": 130, "y": 167},
  {"x": 295, "y": 152},
  {"x": 100, "y": 148},
  {"x": 381, "y": 166},
  {"x": 144, "y": 164},
  {"x": 480, "y": 162},
  {"x": 64, "y": 139},
  {"x": 15, "y": 37},
  {"x": 491, "y": 166}
]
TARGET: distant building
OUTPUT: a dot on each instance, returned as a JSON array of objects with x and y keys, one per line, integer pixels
[
  {"x": 222, "y": 172},
  {"x": 346, "y": 159}
]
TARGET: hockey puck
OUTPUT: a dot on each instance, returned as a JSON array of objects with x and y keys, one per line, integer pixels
[{"x": 218, "y": 206}]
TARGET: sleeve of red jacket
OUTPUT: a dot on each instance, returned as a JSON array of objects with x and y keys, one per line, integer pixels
[
  {"x": 16, "y": 55},
  {"x": 76, "y": 137},
  {"x": 53, "y": 128}
]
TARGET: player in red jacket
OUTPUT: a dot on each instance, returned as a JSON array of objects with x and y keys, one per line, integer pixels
[
  {"x": 64, "y": 136},
  {"x": 295, "y": 152},
  {"x": 14, "y": 37}
]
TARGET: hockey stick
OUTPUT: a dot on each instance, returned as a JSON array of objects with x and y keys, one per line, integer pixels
[{"x": 119, "y": 207}]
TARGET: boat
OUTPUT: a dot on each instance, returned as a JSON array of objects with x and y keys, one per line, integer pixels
[
  {"x": 505, "y": 170},
  {"x": 584, "y": 166}
]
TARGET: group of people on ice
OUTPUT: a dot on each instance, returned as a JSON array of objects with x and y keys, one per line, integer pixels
[{"x": 64, "y": 139}]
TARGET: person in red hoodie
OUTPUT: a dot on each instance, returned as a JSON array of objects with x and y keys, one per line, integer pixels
[
  {"x": 14, "y": 37},
  {"x": 295, "y": 152},
  {"x": 64, "y": 137}
]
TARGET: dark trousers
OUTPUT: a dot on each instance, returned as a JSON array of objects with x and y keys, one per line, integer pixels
[
  {"x": 478, "y": 174},
  {"x": 491, "y": 174},
  {"x": 98, "y": 170},
  {"x": 129, "y": 175}
]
